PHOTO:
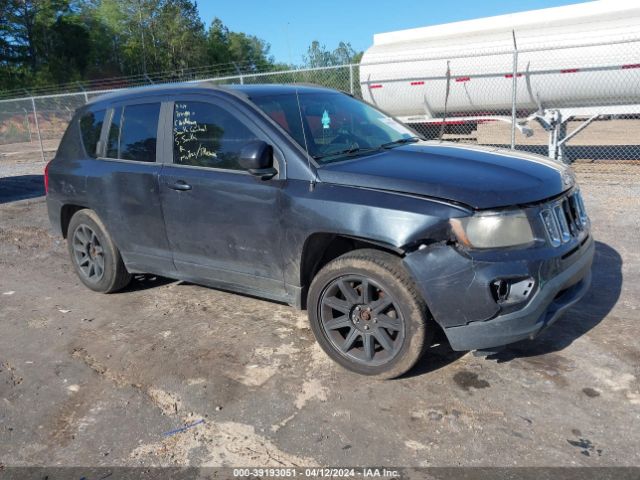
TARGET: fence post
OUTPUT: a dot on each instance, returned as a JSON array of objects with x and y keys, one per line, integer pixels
[
  {"x": 86, "y": 97},
  {"x": 514, "y": 92},
  {"x": 35, "y": 118},
  {"x": 351, "y": 78},
  {"x": 239, "y": 72},
  {"x": 26, "y": 119}
]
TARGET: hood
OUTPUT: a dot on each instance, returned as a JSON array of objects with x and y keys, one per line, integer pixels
[{"x": 479, "y": 177}]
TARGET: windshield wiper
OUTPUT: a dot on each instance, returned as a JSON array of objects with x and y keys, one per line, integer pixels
[
  {"x": 358, "y": 150},
  {"x": 402, "y": 141},
  {"x": 348, "y": 152}
]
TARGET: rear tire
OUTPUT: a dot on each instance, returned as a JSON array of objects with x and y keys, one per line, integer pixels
[
  {"x": 95, "y": 258},
  {"x": 367, "y": 314}
]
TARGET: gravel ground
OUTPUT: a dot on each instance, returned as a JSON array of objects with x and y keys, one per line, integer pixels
[{"x": 90, "y": 379}]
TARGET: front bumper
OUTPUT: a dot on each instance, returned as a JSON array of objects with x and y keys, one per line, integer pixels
[{"x": 456, "y": 289}]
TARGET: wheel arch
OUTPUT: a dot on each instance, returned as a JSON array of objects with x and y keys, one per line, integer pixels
[
  {"x": 322, "y": 247},
  {"x": 66, "y": 213}
]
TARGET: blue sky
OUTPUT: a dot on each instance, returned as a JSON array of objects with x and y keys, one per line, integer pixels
[{"x": 291, "y": 25}]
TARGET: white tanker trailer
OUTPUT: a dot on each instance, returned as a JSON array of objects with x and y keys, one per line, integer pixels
[{"x": 577, "y": 60}]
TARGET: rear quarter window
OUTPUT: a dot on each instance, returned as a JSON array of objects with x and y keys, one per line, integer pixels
[
  {"x": 133, "y": 132},
  {"x": 90, "y": 128}
]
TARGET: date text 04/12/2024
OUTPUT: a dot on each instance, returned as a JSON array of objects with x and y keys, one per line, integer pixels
[{"x": 315, "y": 473}]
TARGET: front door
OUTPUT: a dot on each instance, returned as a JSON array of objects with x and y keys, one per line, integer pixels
[{"x": 223, "y": 224}]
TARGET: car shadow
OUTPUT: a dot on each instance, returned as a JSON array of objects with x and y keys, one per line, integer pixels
[
  {"x": 21, "y": 187},
  {"x": 590, "y": 311},
  {"x": 142, "y": 282},
  {"x": 604, "y": 293},
  {"x": 437, "y": 356}
]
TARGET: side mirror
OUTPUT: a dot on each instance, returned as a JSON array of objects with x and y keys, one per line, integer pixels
[{"x": 257, "y": 158}]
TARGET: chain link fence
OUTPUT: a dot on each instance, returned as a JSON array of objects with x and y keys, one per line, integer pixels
[
  {"x": 579, "y": 104},
  {"x": 582, "y": 108}
]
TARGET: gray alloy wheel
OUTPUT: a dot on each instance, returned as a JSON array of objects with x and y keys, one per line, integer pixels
[
  {"x": 88, "y": 253},
  {"x": 362, "y": 320},
  {"x": 95, "y": 257},
  {"x": 367, "y": 315}
]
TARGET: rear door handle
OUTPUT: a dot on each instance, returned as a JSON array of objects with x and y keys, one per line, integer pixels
[{"x": 180, "y": 185}]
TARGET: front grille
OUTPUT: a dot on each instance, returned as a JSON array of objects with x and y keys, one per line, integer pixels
[{"x": 564, "y": 219}]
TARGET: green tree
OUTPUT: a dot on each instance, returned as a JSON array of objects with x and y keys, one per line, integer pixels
[
  {"x": 64, "y": 60},
  {"x": 319, "y": 56},
  {"x": 40, "y": 40},
  {"x": 180, "y": 35},
  {"x": 9, "y": 52},
  {"x": 226, "y": 48},
  {"x": 103, "y": 19},
  {"x": 217, "y": 44},
  {"x": 249, "y": 51},
  {"x": 44, "y": 42},
  {"x": 147, "y": 36}
]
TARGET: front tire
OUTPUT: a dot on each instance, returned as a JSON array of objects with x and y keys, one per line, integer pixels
[
  {"x": 367, "y": 314},
  {"x": 95, "y": 258}
]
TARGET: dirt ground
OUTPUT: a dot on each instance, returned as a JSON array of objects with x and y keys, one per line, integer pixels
[{"x": 92, "y": 380}]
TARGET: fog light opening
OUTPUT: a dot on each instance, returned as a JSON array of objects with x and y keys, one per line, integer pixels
[
  {"x": 500, "y": 290},
  {"x": 509, "y": 291}
]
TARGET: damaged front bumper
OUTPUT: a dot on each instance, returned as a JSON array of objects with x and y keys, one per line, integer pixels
[{"x": 457, "y": 287}]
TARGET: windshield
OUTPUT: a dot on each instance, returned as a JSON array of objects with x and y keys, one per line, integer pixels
[{"x": 334, "y": 125}]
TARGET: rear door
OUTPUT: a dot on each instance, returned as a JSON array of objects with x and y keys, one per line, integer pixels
[
  {"x": 223, "y": 223},
  {"x": 124, "y": 185}
]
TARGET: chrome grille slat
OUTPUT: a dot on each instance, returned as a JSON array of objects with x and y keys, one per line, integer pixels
[
  {"x": 561, "y": 217},
  {"x": 572, "y": 203},
  {"x": 564, "y": 219}
]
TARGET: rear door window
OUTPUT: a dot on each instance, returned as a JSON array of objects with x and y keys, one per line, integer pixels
[
  {"x": 207, "y": 135},
  {"x": 114, "y": 133},
  {"x": 90, "y": 128},
  {"x": 133, "y": 132}
]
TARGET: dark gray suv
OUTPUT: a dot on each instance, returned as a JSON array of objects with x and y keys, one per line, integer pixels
[{"x": 308, "y": 196}]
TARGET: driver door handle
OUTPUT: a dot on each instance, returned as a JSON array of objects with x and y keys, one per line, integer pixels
[{"x": 180, "y": 185}]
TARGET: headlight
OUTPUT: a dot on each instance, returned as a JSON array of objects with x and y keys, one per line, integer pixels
[{"x": 493, "y": 230}]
